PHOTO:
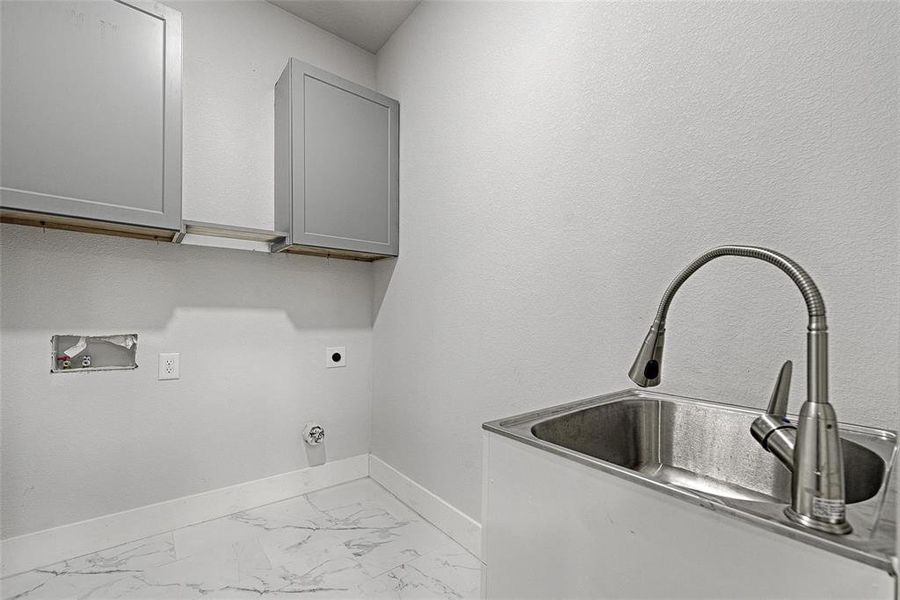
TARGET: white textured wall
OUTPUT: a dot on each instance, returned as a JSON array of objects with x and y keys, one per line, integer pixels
[
  {"x": 560, "y": 162},
  {"x": 251, "y": 328},
  {"x": 234, "y": 52}
]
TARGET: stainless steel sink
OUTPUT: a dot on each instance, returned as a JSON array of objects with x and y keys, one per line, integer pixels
[
  {"x": 703, "y": 447},
  {"x": 703, "y": 452}
]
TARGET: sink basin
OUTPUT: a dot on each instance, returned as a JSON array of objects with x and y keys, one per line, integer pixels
[
  {"x": 700, "y": 446},
  {"x": 702, "y": 452}
]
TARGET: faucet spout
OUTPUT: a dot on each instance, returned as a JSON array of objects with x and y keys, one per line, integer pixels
[{"x": 814, "y": 455}]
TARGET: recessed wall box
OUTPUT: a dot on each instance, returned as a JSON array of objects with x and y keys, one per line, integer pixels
[{"x": 79, "y": 353}]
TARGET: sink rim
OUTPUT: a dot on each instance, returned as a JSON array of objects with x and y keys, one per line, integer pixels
[
  {"x": 535, "y": 417},
  {"x": 872, "y": 542}
]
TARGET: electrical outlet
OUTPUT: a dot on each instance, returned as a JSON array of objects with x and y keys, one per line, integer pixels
[
  {"x": 168, "y": 366},
  {"x": 335, "y": 357}
]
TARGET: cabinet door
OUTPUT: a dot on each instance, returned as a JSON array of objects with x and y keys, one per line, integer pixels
[
  {"x": 91, "y": 119},
  {"x": 345, "y": 159}
]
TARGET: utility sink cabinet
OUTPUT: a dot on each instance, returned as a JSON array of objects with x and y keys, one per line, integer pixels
[
  {"x": 336, "y": 166},
  {"x": 640, "y": 495},
  {"x": 91, "y": 119}
]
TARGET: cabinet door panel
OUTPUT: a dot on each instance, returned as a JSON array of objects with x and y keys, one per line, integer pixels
[
  {"x": 91, "y": 116},
  {"x": 347, "y": 167}
]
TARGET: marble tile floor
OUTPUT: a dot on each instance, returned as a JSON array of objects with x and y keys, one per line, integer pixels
[{"x": 354, "y": 540}]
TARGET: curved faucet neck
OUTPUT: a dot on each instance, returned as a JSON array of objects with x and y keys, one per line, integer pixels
[
  {"x": 815, "y": 305},
  {"x": 817, "y": 329}
]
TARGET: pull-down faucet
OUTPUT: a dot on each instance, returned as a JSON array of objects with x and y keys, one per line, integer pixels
[{"x": 812, "y": 448}]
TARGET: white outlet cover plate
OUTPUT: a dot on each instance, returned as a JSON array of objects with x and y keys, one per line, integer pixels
[
  {"x": 330, "y": 355},
  {"x": 168, "y": 366}
]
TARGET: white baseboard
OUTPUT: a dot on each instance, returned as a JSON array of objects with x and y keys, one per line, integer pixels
[
  {"x": 446, "y": 517},
  {"x": 42, "y": 548}
]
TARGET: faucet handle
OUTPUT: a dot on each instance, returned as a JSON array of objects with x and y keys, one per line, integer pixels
[
  {"x": 778, "y": 403},
  {"x": 774, "y": 432}
]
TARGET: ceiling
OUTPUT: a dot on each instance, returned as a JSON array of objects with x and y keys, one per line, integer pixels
[{"x": 366, "y": 23}]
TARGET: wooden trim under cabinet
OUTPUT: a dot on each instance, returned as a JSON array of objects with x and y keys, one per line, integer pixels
[
  {"x": 328, "y": 252},
  {"x": 18, "y": 217}
]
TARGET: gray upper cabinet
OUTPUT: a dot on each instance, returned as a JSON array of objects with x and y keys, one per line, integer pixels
[
  {"x": 336, "y": 165},
  {"x": 91, "y": 119}
]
